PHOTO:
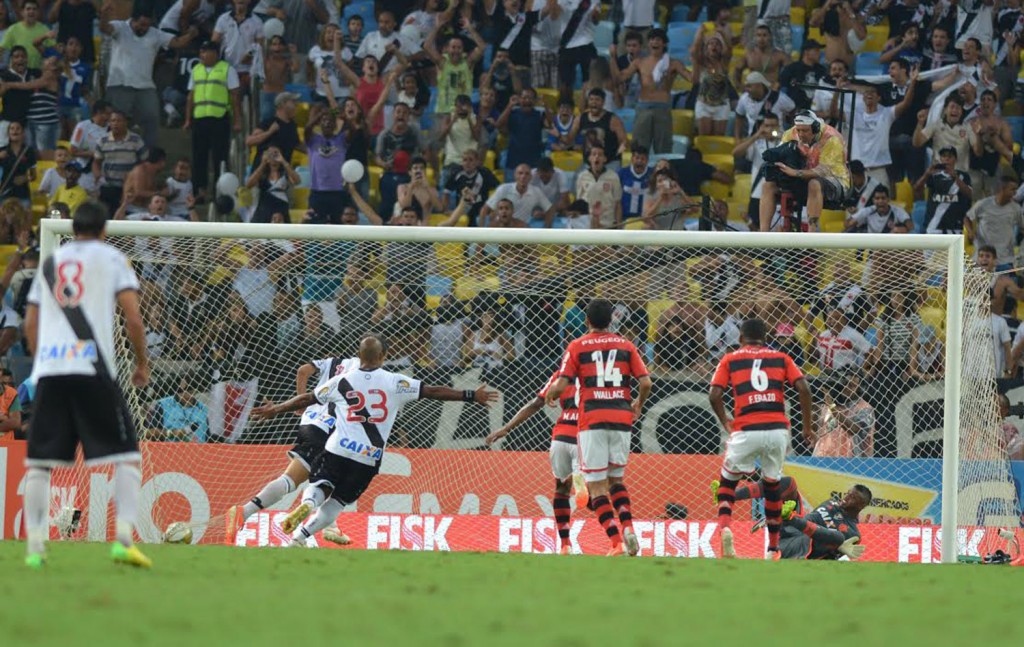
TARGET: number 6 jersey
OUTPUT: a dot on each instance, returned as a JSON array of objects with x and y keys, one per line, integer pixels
[
  {"x": 366, "y": 404},
  {"x": 606, "y": 366},
  {"x": 757, "y": 376}
]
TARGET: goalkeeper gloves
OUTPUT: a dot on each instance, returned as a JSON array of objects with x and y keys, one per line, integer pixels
[
  {"x": 714, "y": 491},
  {"x": 852, "y": 548}
]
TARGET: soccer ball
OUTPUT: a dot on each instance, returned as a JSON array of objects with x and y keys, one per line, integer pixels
[{"x": 178, "y": 532}]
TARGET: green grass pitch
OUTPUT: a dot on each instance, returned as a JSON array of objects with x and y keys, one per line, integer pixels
[{"x": 213, "y": 595}]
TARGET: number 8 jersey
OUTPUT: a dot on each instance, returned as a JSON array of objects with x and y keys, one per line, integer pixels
[
  {"x": 606, "y": 365},
  {"x": 757, "y": 376},
  {"x": 367, "y": 402}
]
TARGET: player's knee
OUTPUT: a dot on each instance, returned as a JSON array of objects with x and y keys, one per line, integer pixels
[
  {"x": 563, "y": 486},
  {"x": 814, "y": 187}
]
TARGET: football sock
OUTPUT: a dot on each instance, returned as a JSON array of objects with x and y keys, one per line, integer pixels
[
  {"x": 562, "y": 514},
  {"x": 127, "y": 481},
  {"x": 752, "y": 491},
  {"x": 270, "y": 494},
  {"x": 606, "y": 516},
  {"x": 726, "y": 497},
  {"x": 314, "y": 496},
  {"x": 324, "y": 516},
  {"x": 620, "y": 501},
  {"x": 37, "y": 508},
  {"x": 773, "y": 512}
]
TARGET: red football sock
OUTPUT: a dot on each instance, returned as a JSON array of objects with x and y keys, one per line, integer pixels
[
  {"x": 562, "y": 514},
  {"x": 606, "y": 516},
  {"x": 726, "y": 497},
  {"x": 620, "y": 501},
  {"x": 773, "y": 512}
]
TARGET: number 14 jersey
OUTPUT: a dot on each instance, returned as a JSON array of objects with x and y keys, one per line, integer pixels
[
  {"x": 606, "y": 365},
  {"x": 367, "y": 403},
  {"x": 757, "y": 376}
]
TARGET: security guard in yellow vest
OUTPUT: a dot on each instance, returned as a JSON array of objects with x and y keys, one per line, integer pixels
[{"x": 213, "y": 92}]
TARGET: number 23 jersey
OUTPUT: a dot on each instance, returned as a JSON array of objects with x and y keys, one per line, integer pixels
[
  {"x": 367, "y": 402},
  {"x": 606, "y": 365},
  {"x": 758, "y": 376}
]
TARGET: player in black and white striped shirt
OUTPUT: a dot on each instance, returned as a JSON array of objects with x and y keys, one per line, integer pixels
[{"x": 368, "y": 399}]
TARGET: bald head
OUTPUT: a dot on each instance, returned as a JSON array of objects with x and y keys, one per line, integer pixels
[{"x": 371, "y": 350}]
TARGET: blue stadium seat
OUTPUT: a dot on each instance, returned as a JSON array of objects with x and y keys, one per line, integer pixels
[
  {"x": 797, "y": 32},
  {"x": 1017, "y": 128},
  {"x": 301, "y": 89},
  {"x": 869, "y": 63},
  {"x": 363, "y": 8},
  {"x": 680, "y": 13},
  {"x": 536, "y": 223},
  {"x": 919, "y": 215},
  {"x": 560, "y": 222},
  {"x": 438, "y": 286},
  {"x": 604, "y": 34},
  {"x": 628, "y": 116}
]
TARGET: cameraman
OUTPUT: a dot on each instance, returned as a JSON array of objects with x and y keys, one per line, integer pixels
[
  {"x": 767, "y": 134},
  {"x": 824, "y": 180}
]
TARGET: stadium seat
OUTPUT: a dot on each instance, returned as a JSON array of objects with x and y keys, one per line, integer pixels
[
  {"x": 797, "y": 18},
  {"x": 604, "y": 35},
  {"x": 301, "y": 114},
  {"x": 877, "y": 37},
  {"x": 657, "y": 157},
  {"x": 300, "y": 158},
  {"x": 714, "y": 144},
  {"x": 680, "y": 13},
  {"x": 304, "y": 176},
  {"x": 833, "y": 221},
  {"x": 682, "y": 34},
  {"x": 680, "y": 144},
  {"x": 301, "y": 89},
  {"x": 868, "y": 63},
  {"x": 300, "y": 198},
  {"x": 438, "y": 286},
  {"x": 716, "y": 190},
  {"x": 920, "y": 216},
  {"x": 682, "y": 122},
  {"x": 361, "y": 8},
  {"x": 491, "y": 160},
  {"x": 741, "y": 186},
  {"x": 568, "y": 161},
  {"x": 797, "y": 35},
  {"x": 721, "y": 162},
  {"x": 295, "y": 216},
  {"x": 905, "y": 195},
  {"x": 375, "y": 174},
  {"x": 628, "y": 117},
  {"x": 550, "y": 98},
  {"x": 1016, "y": 128}
]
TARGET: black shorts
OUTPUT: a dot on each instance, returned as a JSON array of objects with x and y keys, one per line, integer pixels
[
  {"x": 72, "y": 409},
  {"x": 795, "y": 546},
  {"x": 310, "y": 445},
  {"x": 348, "y": 478}
]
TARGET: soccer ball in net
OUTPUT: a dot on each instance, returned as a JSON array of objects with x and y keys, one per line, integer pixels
[{"x": 178, "y": 533}]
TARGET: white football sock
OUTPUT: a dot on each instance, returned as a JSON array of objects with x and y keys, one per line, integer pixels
[
  {"x": 325, "y": 516},
  {"x": 127, "y": 482},
  {"x": 37, "y": 508},
  {"x": 270, "y": 494},
  {"x": 314, "y": 496}
]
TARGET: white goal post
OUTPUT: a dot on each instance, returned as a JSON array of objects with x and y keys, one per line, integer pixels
[{"x": 945, "y": 250}]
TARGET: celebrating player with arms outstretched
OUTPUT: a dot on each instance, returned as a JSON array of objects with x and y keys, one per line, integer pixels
[
  {"x": 314, "y": 427},
  {"x": 606, "y": 365},
  {"x": 564, "y": 457},
  {"x": 69, "y": 324},
  {"x": 757, "y": 375},
  {"x": 368, "y": 399}
]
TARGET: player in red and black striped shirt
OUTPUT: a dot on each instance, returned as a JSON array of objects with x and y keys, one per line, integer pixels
[
  {"x": 606, "y": 365},
  {"x": 564, "y": 457},
  {"x": 759, "y": 429}
]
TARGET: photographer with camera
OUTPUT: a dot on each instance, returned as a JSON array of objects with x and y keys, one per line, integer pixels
[
  {"x": 767, "y": 134},
  {"x": 811, "y": 165}
]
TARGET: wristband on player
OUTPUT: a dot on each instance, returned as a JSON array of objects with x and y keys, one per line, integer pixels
[{"x": 469, "y": 395}]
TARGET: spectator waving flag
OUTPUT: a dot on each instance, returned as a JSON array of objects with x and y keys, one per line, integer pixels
[{"x": 230, "y": 405}]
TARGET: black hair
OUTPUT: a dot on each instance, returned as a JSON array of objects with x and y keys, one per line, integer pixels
[
  {"x": 632, "y": 34},
  {"x": 380, "y": 338},
  {"x": 639, "y": 149},
  {"x": 156, "y": 155},
  {"x": 90, "y": 219},
  {"x": 902, "y": 62},
  {"x": 977, "y": 43},
  {"x": 417, "y": 160},
  {"x": 100, "y": 105},
  {"x": 865, "y": 492},
  {"x": 599, "y": 313},
  {"x": 19, "y": 48},
  {"x": 988, "y": 249},
  {"x": 545, "y": 164},
  {"x": 597, "y": 92},
  {"x": 881, "y": 188},
  {"x": 754, "y": 330}
]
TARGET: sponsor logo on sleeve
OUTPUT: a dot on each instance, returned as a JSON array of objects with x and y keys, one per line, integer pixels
[{"x": 404, "y": 386}]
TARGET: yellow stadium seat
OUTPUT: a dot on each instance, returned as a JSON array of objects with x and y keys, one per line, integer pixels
[
  {"x": 721, "y": 162},
  {"x": 716, "y": 190},
  {"x": 877, "y": 36},
  {"x": 467, "y": 287},
  {"x": 301, "y": 114},
  {"x": 375, "y": 174},
  {"x": 300, "y": 198},
  {"x": 714, "y": 144},
  {"x": 905, "y": 195},
  {"x": 567, "y": 160},
  {"x": 682, "y": 122},
  {"x": 813, "y": 33},
  {"x": 491, "y": 160},
  {"x": 97, "y": 44},
  {"x": 300, "y": 158},
  {"x": 654, "y": 311},
  {"x": 436, "y": 219},
  {"x": 550, "y": 98},
  {"x": 832, "y": 221},
  {"x": 797, "y": 16},
  {"x": 741, "y": 186},
  {"x": 934, "y": 317},
  {"x": 296, "y": 215}
]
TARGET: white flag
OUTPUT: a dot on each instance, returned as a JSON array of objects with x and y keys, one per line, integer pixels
[{"x": 230, "y": 406}]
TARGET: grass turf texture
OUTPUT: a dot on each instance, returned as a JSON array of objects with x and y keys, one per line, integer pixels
[{"x": 227, "y": 596}]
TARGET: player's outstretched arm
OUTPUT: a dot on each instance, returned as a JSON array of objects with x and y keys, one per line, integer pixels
[
  {"x": 555, "y": 391},
  {"x": 296, "y": 403},
  {"x": 521, "y": 416},
  {"x": 806, "y": 407},
  {"x": 482, "y": 395}
]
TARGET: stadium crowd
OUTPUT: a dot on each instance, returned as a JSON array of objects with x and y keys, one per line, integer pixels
[{"x": 522, "y": 113}]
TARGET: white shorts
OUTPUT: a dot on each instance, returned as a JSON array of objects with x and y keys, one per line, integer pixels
[
  {"x": 702, "y": 110},
  {"x": 603, "y": 453},
  {"x": 745, "y": 447},
  {"x": 564, "y": 459}
]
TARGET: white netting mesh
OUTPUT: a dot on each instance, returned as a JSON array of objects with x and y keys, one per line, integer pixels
[{"x": 232, "y": 320}]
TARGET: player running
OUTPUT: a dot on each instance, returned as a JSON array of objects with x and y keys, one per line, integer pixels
[
  {"x": 759, "y": 429},
  {"x": 69, "y": 325},
  {"x": 564, "y": 457},
  {"x": 830, "y": 531},
  {"x": 368, "y": 400},
  {"x": 605, "y": 364},
  {"x": 315, "y": 426}
]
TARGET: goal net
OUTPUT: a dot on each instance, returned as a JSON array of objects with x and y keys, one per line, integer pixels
[{"x": 232, "y": 313}]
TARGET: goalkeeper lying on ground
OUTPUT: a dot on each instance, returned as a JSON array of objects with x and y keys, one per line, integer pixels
[{"x": 828, "y": 532}]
